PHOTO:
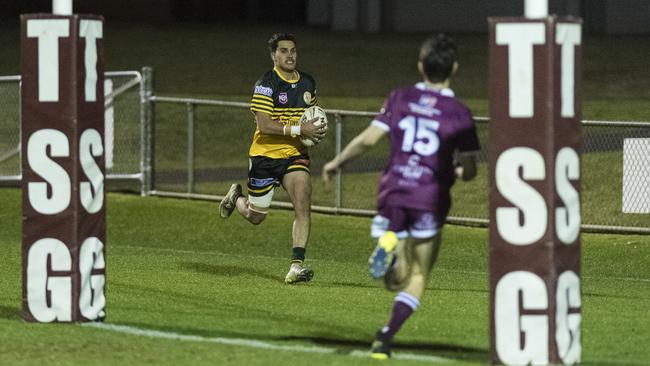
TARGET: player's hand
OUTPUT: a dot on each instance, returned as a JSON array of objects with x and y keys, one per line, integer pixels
[
  {"x": 311, "y": 131},
  {"x": 329, "y": 170}
]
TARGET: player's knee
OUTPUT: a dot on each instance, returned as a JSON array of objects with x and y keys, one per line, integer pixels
[{"x": 256, "y": 218}]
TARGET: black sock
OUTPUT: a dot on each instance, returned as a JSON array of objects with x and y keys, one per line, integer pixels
[{"x": 298, "y": 255}]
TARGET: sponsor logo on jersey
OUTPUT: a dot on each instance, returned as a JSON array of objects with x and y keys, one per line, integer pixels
[
  {"x": 411, "y": 171},
  {"x": 255, "y": 182},
  {"x": 307, "y": 97},
  {"x": 283, "y": 98},
  {"x": 424, "y": 110},
  {"x": 428, "y": 100},
  {"x": 264, "y": 90}
]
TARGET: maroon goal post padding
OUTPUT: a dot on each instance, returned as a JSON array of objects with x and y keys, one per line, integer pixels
[
  {"x": 63, "y": 174},
  {"x": 535, "y": 68}
]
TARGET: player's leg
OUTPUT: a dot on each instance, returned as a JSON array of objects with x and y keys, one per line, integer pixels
[
  {"x": 261, "y": 183},
  {"x": 399, "y": 273},
  {"x": 255, "y": 208},
  {"x": 425, "y": 253},
  {"x": 407, "y": 301},
  {"x": 423, "y": 245},
  {"x": 297, "y": 183},
  {"x": 298, "y": 186},
  {"x": 389, "y": 228}
]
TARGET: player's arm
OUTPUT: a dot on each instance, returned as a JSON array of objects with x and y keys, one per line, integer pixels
[
  {"x": 466, "y": 166},
  {"x": 369, "y": 137},
  {"x": 467, "y": 148},
  {"x": 269, "y": 126}
]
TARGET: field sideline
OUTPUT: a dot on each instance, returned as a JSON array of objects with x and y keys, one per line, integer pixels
[{"x": 202, "y": 291}]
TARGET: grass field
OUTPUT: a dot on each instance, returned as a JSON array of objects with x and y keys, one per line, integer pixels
[
  {"x": 185, "y": 288},
  {"x": 198, "y": 290}
]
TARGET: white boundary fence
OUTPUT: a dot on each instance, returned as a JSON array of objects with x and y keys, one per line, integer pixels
[{"x": 145, "y": 172}]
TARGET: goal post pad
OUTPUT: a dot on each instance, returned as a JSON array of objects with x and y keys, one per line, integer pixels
[
  {"x": 534, "y": 87},
  {"x": 63, "y": 168}
]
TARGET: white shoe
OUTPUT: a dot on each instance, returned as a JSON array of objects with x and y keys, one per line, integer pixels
[
  {"x": 229, "y": 202},
  {"x": 298, "y": 273}
]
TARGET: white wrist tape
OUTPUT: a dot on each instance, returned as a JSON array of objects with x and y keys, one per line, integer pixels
[{"x": 295, "y": 131}]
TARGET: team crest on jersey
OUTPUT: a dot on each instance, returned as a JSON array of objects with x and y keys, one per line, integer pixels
[
  {"x": 307, "y": 97},
  {"x": 283, "y": 98},
  {"x": 263, "y": 90}
]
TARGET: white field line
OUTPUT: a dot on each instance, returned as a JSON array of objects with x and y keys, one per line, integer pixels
[
  {"x": 251, "y": 343},
  {"x": 478, "y": 273}
]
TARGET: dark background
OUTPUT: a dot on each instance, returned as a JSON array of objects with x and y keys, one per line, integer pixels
[{"x": 370, "y": 16}]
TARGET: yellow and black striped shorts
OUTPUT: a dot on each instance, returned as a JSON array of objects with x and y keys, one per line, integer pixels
[{"x": 266, "y": 173}]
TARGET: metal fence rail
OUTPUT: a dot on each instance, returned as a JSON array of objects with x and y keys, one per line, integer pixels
[
  {"x": 129, "y": 145},
  {"x": 196, "y": 148},
  {"x": 206, "y": 171}
]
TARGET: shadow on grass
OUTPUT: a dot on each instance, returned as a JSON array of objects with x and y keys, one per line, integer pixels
[
  {"x": 450, "y": 351},
  {"x": 349, "y": 284},
  {"x": 10, "y": 313},
  {"x": 228, "y": 270}
]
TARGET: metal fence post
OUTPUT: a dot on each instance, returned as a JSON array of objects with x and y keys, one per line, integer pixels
[
  {"x": 190, "y": 147},
  {"x": 147, "y": 132},
  {"x": 339, "y": 133}
]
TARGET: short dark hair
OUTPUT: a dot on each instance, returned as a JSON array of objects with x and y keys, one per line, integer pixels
[
  {"x": 438, "y": 55},
  {"x": 273, "y": 41}
]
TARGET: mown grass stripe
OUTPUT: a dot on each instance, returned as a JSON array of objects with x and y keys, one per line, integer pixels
[{"x": 477, "y": 273}]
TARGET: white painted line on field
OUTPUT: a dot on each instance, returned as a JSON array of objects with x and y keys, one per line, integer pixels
[
  {"x": 477, "y": 273},
  {"x": 403, "y": 356},
  {"x": 252, "y": 343}
]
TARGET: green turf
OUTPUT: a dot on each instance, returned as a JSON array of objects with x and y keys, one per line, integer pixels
[{"x": 173, "y": 266}]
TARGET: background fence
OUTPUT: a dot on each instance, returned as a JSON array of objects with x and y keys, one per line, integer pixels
[
  {"x": 196, "y": 148},
  {"x": 123, "y": 104}
]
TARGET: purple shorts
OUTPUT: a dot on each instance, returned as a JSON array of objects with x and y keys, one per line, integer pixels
[{"x": 405, "y": 222}]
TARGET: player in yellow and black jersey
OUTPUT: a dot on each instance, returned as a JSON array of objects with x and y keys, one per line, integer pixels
[
  {"x": 277, "y": 155},
  {"x": 285, "y": 100}
]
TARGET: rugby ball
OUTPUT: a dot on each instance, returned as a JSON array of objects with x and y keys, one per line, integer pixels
[{"x": 311, "y": 113}]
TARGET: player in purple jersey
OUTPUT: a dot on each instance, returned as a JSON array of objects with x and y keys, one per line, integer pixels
[{"x": 432, "y": 142}]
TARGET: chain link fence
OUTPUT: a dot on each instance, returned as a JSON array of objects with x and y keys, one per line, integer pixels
[
  {"x": 9, "y": 128},
  {"x": 202, "y": 148},
  {"x": 196, "y": 148},
  {"x": 636, "y": 175},
  {"x": 602, "y": 173},
  {"x": 123, "y": 130}
]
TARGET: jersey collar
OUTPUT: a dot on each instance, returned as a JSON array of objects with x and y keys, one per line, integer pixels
[
  {"x": 282, "y": 77},
  {"x": 447, "y": 92}
]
